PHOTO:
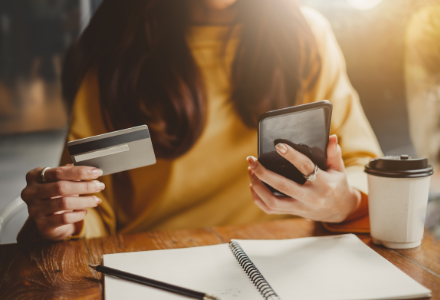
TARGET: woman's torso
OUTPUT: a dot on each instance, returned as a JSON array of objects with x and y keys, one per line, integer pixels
[{"x": 209, "y": 185}]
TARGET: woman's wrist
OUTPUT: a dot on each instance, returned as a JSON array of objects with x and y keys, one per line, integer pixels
[
  {"x": 356, "y": 199},
  {"x": 351, "y": 205},
  {"x": 361, "y": 205}
]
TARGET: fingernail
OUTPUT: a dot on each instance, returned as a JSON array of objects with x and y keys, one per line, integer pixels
[
  {"x": 98, "y": 200},
  {"x": 281, "y": 148},
  {"x": 99, "y": 185},
  {"x": 250, "y": 171},
  {"x": 336, "y": 144},
  {"x": 252, "y": 161},
  {"x": 96, "y": 173}
]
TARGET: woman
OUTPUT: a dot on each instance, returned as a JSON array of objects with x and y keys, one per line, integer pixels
[{"x": 199, "y": 73}]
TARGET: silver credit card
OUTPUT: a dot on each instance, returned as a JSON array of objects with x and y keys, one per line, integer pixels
[{"x": 115, "y": 151}]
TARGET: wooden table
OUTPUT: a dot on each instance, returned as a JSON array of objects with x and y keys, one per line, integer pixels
[{"x": 45, "y": 270}]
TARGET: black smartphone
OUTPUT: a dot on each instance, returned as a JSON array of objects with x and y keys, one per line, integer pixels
[{"x": 305, "y": 128}]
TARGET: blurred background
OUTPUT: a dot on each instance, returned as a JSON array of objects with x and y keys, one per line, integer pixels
[{"x": 34, "y": 34}]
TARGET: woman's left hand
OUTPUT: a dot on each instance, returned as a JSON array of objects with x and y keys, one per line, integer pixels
[{"x": 328, "y": 198}]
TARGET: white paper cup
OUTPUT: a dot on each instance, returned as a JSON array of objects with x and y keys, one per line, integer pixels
[{"x": 398, "y": 196}]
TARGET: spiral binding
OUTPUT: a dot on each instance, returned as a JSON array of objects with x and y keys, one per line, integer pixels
[{"x": 254, "y": 274}]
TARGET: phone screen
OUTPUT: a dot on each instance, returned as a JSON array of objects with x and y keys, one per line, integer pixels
[{"x": 305, "y": 130}]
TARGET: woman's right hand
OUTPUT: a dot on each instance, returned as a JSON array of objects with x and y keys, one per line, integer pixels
[{"x": 56, "y": 206}]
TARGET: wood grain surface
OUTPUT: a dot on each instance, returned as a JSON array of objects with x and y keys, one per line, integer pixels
[
  {"x": 60, "y": 270},
  {"x": 47, "y": 270},
  {"x": 426, "y": 255}
]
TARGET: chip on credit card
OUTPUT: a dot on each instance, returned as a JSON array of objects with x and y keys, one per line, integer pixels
[{"x": 115, "y": 151}]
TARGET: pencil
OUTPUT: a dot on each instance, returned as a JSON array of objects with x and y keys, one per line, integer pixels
[{"x": 152, "y": 283}]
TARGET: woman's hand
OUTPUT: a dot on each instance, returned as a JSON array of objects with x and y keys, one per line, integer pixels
[
  {"x": 329, "y": 198},
  {"x": 55, "y": 206}
]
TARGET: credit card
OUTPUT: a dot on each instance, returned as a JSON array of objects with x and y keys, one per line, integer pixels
[{"x": 115, "y": 151}]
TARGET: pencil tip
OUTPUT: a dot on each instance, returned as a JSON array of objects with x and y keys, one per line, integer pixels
[{"x": 209, "y": 297}]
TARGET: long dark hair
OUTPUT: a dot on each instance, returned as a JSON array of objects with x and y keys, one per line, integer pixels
[{"x": 147, "y": 75}]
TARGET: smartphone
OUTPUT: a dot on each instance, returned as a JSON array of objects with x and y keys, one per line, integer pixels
[{"x": 305, "y": 128}]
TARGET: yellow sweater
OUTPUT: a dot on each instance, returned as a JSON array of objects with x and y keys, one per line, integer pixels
[{"x": 209, "y": 185}]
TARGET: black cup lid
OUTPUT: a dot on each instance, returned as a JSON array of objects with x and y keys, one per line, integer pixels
[{"x": 402, "y": 166}]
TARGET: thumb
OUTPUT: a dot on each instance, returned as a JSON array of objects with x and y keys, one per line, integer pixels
[{"x": 334, "y": 158}]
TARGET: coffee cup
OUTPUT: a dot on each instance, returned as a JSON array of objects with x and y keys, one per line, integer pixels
[{"x": 398, "y": 196}]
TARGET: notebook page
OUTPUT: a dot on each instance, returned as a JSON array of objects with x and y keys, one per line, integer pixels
[
  {"x": 209, "y": 269},
  {"x": 324, "y": 268}
]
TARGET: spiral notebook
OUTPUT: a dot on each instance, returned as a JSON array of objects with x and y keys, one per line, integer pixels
[{"x": 333, "y": 267}]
